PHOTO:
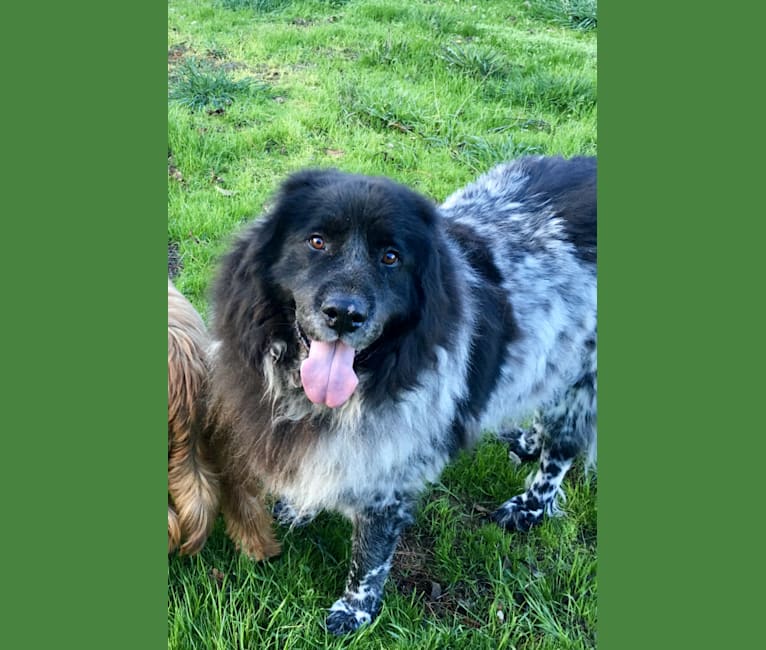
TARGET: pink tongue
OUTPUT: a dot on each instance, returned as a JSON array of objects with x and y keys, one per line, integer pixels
[{"x": 328, "y": 374}]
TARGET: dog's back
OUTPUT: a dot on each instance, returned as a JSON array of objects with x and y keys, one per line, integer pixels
[{"x": 529, "y": 229}]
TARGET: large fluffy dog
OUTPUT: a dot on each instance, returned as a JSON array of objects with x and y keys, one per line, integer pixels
[
  {"x": 193, "y": 486},
  {"x": 366, "y": 335}
]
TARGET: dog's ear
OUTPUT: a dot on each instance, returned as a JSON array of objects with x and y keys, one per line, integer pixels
[
  {"x": 426, "y": 210},
  {"x": 436, "y": 282},
  {"x": 308, "y": 179},
  {"x": 294, "y": 199},
  {"x": 248, "y": 310}
]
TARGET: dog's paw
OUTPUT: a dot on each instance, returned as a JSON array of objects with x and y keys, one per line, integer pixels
[
  {"x": 524, "y": 444},
  {"x": 286, "y": 515},
  {"x": 519, "y": 513},
  {"x": 344, "y": 617}
]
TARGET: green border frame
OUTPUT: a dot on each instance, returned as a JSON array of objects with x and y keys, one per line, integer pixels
[
  {"x": 680, "y": 269},
  {"x": 83, "y": 237},
  {"x": 680, "y": 274}
]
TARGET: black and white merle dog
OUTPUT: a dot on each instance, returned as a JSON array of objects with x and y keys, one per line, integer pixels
[{"x": 366, "y": 335}]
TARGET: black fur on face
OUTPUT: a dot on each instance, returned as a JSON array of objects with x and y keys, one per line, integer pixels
[{"x": 334, "y": 238}]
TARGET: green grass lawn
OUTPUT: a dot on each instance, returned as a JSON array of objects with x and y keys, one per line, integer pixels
[{"x": 431, "y": 94}]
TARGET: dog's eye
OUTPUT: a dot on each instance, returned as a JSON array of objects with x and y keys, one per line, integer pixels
[
  {"x": 316, "y": 242},
  {"x": 390, "y": 258}
]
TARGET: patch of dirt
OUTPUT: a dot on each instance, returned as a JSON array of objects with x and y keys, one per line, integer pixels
[
  {"x": 411, "y": 569},
  {"x": 176, "y": 53},
  {"x": 174, "y": 260},
  {"x": 228, "y": 66},
  {"x": 343, "y": 53},
  {"x": 267, "y": 72},
  {"x": 413, "y": 573}
]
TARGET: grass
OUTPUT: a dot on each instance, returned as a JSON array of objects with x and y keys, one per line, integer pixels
[
  {"x": 431, "y": 94},
  {"x": 202, "y": 82},
  {"x": 580, "y": 14},
  {"x": 458, "y": 581},
  {"x": 480, "y": 62}
]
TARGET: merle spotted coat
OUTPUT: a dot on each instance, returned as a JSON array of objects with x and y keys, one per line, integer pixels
[{"x": 464, "y": 317}]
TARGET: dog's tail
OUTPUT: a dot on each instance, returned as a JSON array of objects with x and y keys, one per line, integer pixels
[{"x": 193, "y": 484}]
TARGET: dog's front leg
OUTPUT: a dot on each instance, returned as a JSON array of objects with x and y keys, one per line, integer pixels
[{"x": 376, "y": 533}]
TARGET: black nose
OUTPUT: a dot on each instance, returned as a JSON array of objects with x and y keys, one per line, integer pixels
[{"x": 343, "y": 314}]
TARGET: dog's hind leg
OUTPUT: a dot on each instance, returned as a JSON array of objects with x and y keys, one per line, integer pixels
[
  {"x": 525, "y": 444},
  {"x": 376, "y": 534},
  {"x": 248, "y": 522},
  {"x": 568, "y": 429}
]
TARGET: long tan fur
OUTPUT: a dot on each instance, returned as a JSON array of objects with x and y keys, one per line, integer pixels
[
  {"x": 193, "y": 485},
  {"x": 192, "y": 482}
]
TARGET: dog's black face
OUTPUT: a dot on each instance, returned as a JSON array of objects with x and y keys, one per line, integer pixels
[{"x": 351, "y": 256}]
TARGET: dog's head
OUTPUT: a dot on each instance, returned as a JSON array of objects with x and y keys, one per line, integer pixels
[{"x": 352, "y": 258}]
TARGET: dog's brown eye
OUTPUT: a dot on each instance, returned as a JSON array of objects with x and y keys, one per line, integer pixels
[
  {"x": 390, "y": 258},
  {"x": 316, "y": 242}
]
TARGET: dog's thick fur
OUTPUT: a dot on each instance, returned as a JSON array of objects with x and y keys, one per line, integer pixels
[
  {"x": 462, "y": 318},
  {"x": 193, "y": 482},
  {"x": 193, "y": 488}
]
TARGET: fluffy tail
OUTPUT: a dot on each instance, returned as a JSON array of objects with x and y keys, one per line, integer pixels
[{"x": 193, "y": 484}]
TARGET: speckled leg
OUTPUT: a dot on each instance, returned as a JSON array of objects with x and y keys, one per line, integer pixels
[
  {"x": 567, "y": 429},
  {"x": 376, "y": 534}
]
